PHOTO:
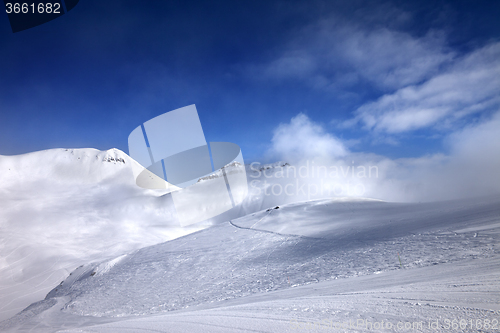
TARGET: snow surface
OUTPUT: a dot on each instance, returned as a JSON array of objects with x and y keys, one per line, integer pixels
[
  {"x": 269, "y": 265},
  {"x": 427, "y": 296},
  {"x": 243, "y": 275},
  {"x": 60, "y": 208}
]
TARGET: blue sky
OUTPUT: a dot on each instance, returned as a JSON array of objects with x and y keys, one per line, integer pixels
[{"x": 396, "y": 79}]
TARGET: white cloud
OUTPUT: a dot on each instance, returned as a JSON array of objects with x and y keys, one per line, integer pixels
[
  {"x": 426, "y": 86},
  {"x": 471, "y": 85},
  {"x": 425, "y": 83},
  {"x": 333, "y": 54},
  {"x": 469, "y": 169},
  {"x": 302, "y": 138}
]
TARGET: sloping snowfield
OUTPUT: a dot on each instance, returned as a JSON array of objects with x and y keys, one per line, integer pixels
[
  {"x": 305, "y": 266},
  {"x": 60, "y": 208},
  {"x": 449, "y": 298},
  {"x": 337, "y": 265}
]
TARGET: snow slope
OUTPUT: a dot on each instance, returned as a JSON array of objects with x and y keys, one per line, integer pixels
[
  {"x": 430, "y": 299},
  {"x": 60, "y": 208},
  {"x": 290, "y": 268}
]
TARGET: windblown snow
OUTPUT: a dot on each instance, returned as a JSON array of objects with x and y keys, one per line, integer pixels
[{"x": 337, "y": 264}]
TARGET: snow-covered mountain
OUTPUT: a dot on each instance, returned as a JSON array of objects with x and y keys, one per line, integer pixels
[
  {"x": 272, "y": 264},
  {"x": 60, "y": 208},
  {"x": 68, "y": 166}
]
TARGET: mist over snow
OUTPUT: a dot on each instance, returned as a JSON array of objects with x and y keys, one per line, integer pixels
[
  {"x": 377, "y": 199},
  {"x": 469, "y": 168},
  {"x": 317, "y": 261},
  {"x": 60, "y": 208}
]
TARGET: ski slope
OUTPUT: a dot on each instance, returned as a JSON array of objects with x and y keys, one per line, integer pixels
[
  {"x": 61, "y": 208},
  {"x": 297, "y": 267},
  {"x": 430, "y": 299}
]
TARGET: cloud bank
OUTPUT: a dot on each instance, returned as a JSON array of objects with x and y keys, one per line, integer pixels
[
  {"x": 470, "y": 86},
  {"x": 407, "y": 85},
  {"x": 470, "y": 168},
  {"x": 333, "y": 54}
]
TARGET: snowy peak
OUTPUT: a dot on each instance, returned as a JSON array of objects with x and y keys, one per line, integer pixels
[
  {"x": 274, "y": 165},
  {"x": 68, "y": 166},
  {"x": 230, "y": 168},
  {"x": 235, "y": 167},
  {"x": 61, "y": 208}
]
